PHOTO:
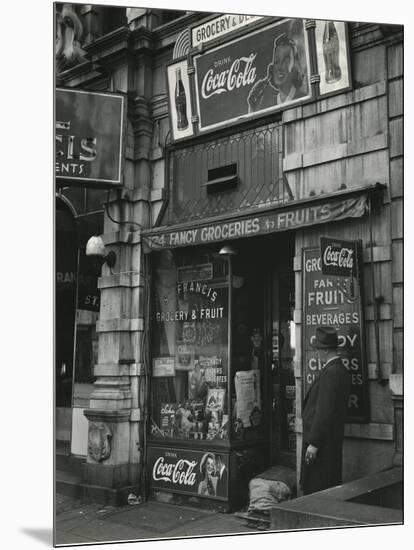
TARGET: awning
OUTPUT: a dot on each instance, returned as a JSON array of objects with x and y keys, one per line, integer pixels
[{"x": 349, "y": 203}]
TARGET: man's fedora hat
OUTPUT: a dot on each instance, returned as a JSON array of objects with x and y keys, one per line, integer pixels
[{"x": 325, "y": 338}]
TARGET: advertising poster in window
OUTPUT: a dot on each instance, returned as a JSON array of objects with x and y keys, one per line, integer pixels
[
  {"x": 193, "y": 472},
  {"x": 258, "y": 73},
  {"x": 332, "y": 55},
  {"x": 180, "y": 100},
  {"x": 334, "y": 301},
  {"x": 248, "y": 402}
]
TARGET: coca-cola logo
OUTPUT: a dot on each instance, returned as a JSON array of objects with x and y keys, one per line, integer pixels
[
  {"x": 168, "y": 408},
  {"x": 341, "y": 257},
  {"x": 180, "y": 472},
  {"x": 241, "y": 73}
]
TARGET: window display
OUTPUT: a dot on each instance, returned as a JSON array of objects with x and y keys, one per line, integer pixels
[{"x": 190, "y": 347}]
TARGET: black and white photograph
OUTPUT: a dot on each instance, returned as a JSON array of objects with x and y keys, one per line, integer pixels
[{"x": 228, "y": 274}]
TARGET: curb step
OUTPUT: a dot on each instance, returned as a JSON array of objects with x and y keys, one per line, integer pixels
[
  {"x": 256, "y": 520},
  {"x": 65, "y": 461},
  {"x": 68, "y": 484}
]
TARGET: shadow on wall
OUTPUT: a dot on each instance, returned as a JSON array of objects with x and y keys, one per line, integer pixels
[{"x": 362, "y": 458}]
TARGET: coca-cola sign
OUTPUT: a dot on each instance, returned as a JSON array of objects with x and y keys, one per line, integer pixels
[
  {"x": 258, "y": 73},
  {"x": 201, "y": 473},
  {"x": 180, "y": 100},
  {"x": 332, "y": 54},
  {"x": 241, "y": 73},
  {"x": 338, "y": 257},
  {"x": 180, "y": 472}
]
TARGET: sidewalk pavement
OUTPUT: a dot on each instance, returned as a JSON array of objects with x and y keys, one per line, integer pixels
[{"x": 78, "y": 523}]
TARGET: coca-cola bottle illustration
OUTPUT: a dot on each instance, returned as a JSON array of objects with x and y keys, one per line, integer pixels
[
  {"x": 330, "y": 44},
  {"x": 180, "y": 102}
]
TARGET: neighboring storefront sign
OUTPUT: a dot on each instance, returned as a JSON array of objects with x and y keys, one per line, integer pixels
[
  {"x": 193, "y": 472},
  {"x": 338, "y": 257},
  {"x": 221, "y": 26},
  {"x": 89, "y": 138},
  {"x": 257, "y": 73},
  {"x": 334, "y": 301},
  {"x": 89, "y": 296},
  {"x": 261, "y": 223},
  {"x": 332, "y": 53}
]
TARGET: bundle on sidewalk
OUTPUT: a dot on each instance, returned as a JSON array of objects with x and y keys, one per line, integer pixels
[{"x": 266, "y": 490}]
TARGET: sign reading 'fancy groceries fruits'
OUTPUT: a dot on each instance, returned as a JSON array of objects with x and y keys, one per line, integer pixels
[
  {"x": 259, "y": 223},
  {"x": 89, "y": 138},
  {"x": 257, "y": 73}
]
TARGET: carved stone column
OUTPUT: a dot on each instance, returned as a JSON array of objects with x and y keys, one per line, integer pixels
[
  {"x": 106, "y": 472},
  {"x": 115, "y": 414}
]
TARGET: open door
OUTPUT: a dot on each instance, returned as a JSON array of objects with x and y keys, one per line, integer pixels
[{"x": 65, "y": 303}]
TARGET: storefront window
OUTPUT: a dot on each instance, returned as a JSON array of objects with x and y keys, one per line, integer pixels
[{"x": 190, "y": 346}]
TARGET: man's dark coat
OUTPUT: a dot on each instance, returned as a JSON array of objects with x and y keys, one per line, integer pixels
[{"x": 323, "y": 416}]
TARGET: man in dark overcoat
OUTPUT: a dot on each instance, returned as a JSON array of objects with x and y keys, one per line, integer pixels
[{"x": 323, "y": 415}]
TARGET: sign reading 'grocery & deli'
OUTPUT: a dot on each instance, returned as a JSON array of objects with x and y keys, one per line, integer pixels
[
  {"x": 220, "y": 26},
  {"x": 257, "y": 73}
]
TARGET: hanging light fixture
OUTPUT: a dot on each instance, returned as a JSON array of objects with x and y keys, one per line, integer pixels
[{"x": 95, "y": 248}]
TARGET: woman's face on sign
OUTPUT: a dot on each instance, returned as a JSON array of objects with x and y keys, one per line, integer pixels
[
  {"x": 209, "y": 465},
  {"x": 282, "y": 64}
]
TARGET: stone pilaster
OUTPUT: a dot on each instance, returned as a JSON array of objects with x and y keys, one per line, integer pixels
[
  {"x": 106, "y": 473},
  {"x": 116, "y": 412}
]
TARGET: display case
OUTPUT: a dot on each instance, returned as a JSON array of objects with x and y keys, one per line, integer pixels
[{"x": 207, "y": 428}]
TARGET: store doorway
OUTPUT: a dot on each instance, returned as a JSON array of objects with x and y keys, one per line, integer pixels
[
  {"x": 65, "y": 301},
  {"x": 264, "y": 335}
]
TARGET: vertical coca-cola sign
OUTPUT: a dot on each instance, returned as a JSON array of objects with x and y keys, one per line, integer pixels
[
  {"x": 332, "y": 53},
  {"x": 180, "y": 99},
  {"x": 334, "y": 299}
]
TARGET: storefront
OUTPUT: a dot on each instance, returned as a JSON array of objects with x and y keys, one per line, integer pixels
[
  {"x": 261, "y": 196},
  {"x": 213, "y": 382},
  {"x": 239, "y": 284},
  {"x": 224, "y": 344}
]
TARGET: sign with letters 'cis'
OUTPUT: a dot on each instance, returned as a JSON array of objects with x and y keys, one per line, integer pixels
[
  {"x": 334, "y": 301},
  {"x": 89, "y": 138}
]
